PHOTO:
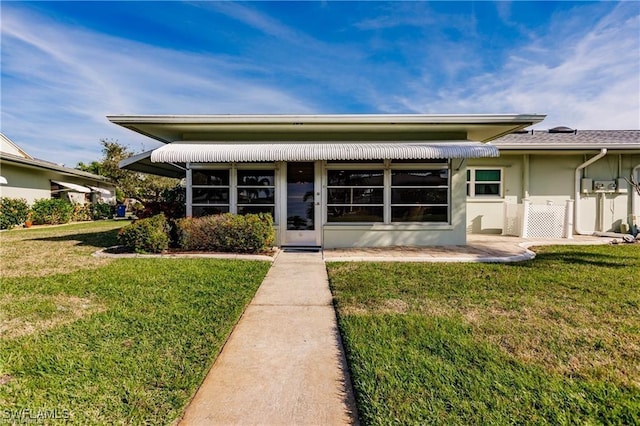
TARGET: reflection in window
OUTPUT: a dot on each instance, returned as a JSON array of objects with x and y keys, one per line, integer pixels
[
  {"x": 484, "y": 182},
  {"x": 210, "y": 192},
  {"x": 256, "y": 191},
  {"x": 355, "y": 196},
  {"x": 420, "y": 195}
]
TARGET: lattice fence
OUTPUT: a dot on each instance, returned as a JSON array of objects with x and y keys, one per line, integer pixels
[{"x": 536, "y": 220}]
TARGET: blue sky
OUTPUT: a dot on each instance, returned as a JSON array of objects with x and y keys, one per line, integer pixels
[{"x": 66, "y": 65}]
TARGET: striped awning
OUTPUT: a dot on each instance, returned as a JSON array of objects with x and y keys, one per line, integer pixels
[
  {"x": 202, "y": 152},
  {"x": 72, "y": 186}
]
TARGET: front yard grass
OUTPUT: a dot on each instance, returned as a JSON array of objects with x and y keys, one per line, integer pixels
[
  {"x": 555, "y": 340},
  {"x": 123, "y": 341}
]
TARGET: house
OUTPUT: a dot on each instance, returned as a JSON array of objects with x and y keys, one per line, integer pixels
[
  {"x": 328, "y": 180},
  {"x": 590, "y": 169},
  {"x": 22, "y": 176}
]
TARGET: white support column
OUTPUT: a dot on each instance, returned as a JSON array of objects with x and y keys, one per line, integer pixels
[
  {"x": 525, "y": 219},
  {"x": 568, "y": 220},
  {"x": 189, "y": 194}
]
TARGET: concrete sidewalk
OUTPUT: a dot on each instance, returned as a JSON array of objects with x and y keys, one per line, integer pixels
[{"x": 284, "y": 363}]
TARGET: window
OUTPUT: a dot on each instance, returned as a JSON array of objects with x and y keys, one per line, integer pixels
[
  {"x": 420, "y": 195},
  {"x": 210, "y": 192},
  {"x": 396, "y": 194},
  {"x": 355, "y": 196},
  {"x": 484, "y": 182},
  {"x": 256, "y": 191}
]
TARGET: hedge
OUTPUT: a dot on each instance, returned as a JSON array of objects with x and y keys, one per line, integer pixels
[
  {"x": 51, "y": 211},
  {"x": 251, "y": 233},
  {"x": 150, "y": 235},
  {"x": 13, "y": 212}
]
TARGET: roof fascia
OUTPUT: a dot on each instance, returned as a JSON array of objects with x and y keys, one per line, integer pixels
[{"x": 37, "y": 164}]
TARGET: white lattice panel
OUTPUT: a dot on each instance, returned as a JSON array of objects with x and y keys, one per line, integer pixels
[{"x": 545, "y": 221}]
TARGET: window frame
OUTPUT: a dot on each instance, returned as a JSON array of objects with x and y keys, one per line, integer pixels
[
  {"x": 471, "y": 182},
  {"x": 387, "y": 167}
]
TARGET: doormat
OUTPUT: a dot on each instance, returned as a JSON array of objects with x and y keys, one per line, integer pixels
[{"x": 304, "y": 249}]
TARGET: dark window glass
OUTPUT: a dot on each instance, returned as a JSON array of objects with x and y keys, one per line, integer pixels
[
  {"x": 419, "y": 214},
  {"x": 199, "y": 211},
  {"x": 256, "y": 177},
  {"x": 355, "y": 213},
  {"x": 487, "y": 175},
  {"x": 355, "y": 177},
  {"x": 420, "y": 177},
  {"x": 255, "y": 209},
  {"x": 256, "y": 195},
  {"x": 355, "y": 196},
  {"x": 487, "y": 188},
  {"x": 210, "y": 196},
  {"x": 419, "y": 196},
  {"x": 300, "y": 196},
  {"x": 429, "y": 161},
  {"x": 210, "y": 177}
]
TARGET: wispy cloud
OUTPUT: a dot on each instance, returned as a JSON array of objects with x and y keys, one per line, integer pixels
[
  {"x": 63, "y": 75},
  {"x": 583, "y": 79}
]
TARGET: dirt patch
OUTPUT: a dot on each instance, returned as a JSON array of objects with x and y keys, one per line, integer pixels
[{"x": 24, "y": 315}]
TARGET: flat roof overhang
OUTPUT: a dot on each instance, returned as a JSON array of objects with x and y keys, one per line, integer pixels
[
  {"x": 142, "y": 163},
  {"x": 324, "y": 127}
]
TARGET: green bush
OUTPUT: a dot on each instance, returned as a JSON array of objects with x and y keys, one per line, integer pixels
[
  {"x": 13, "y": 212},
  {"x": 51, "y": 211},
  {"x": 102, "y": 211},
  {"x": 252, "y": 233},
  {"x": 150, "y": 235},
  {"x": 82, "y": 213}
]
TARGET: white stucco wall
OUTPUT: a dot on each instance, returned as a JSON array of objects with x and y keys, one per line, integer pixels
[{"x": 551, "y": 179}]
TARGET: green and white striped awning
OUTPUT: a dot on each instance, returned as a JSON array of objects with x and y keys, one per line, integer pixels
[{"x": 220, "y": 152}]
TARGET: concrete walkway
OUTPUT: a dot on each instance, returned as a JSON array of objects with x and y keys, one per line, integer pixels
[{"x": 284, "y": 363}]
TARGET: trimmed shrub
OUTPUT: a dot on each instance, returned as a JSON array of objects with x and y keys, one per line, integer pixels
[
  {"x": 13, "y": 212},
  {"x": 102, "y": 211},
  {"x": 252, "y": 233},
  {"x": 51, "y": 211},
  {"x": 150, "y": 235},
  {"x": 82, "y": 213}
]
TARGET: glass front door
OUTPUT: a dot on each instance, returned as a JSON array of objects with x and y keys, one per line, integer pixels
[{"x": 303, "y": 205}]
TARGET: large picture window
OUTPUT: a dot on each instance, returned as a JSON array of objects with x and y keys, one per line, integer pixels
[
  {"x": 210, "y": 192},
  {"x": 355, "y": 196},
  {"x": 420, "y": 195},
  {"x": 391, "y": 195},
  {"x": 484, "y": 182},
  {"x": 256, "y": 191}
]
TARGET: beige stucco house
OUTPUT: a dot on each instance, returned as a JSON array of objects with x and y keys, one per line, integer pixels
[
  {"x": 589, "y": 169},
  {"x": 22, "y": 176},
  {"x": 329, "y": 180}
]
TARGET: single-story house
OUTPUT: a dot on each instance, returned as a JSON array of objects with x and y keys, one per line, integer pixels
[
  {"x": 328, "y": 180},
  {"x": 591, "y": 169},
  {"x": 22, "y": 176}
]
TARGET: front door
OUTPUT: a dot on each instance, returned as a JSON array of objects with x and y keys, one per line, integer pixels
[{"x": 302, "y": 205}]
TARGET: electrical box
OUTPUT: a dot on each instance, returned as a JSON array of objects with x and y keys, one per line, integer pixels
[
  {"x": 604, "y": 185},
  {"x": 586, "y": 185},
  {"x": 621, "y": 186}
]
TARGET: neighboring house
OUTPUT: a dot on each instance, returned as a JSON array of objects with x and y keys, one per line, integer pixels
[
  {"x": 22, "y": 176},
  {"x": 328, "y": 180},
  {"x": 553, "y": 166}
]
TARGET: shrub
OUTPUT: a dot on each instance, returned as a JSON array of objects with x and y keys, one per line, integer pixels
[
  {"x": 13, "y": 212},
  {"x": 252, "y": 233},
  {"x": 102, "y": 211},
  {"x": 82, "y": 213},
  {"x": 150, "y": 235},
  {"x": 51, "y": 211}
]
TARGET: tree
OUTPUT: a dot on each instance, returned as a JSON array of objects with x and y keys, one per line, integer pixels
[{"x": 130, "y": 184}]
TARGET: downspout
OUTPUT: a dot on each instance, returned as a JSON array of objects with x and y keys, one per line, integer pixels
[
  {"x": 525, "y": 177},
  {"x": 576, "y": 209},
  {"x": 634, "y": 197}
]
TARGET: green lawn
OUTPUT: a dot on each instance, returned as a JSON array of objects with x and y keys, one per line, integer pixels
[
  {"x": 112, "y": 341},
  {"x": 555, "y": 340}
]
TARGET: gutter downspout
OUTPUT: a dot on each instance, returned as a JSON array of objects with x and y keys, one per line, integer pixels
[
  {"x": 634, "y": 197},
  {"x": 576, "y": 210}
]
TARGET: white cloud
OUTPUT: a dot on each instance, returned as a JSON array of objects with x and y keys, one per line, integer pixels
[
  {"x": 60, "y": 82},
  {"x": 585, "y": 79}
]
